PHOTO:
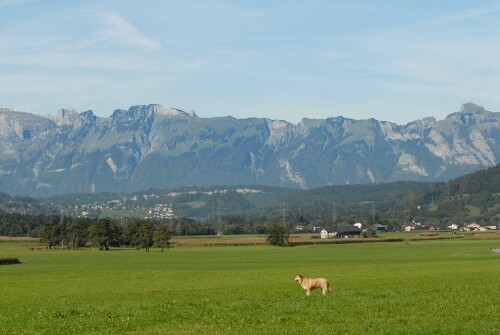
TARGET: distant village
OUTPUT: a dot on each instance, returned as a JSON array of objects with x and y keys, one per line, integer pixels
[
  {"x": 132, "y": 206},
  {"x": 144, "y": 206}
]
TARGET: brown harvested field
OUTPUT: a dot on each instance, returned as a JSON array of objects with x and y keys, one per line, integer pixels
[
  {"x": 483, "y": 236},
  {"x": 232, "y": 240},
  {"x": 19, "y": 239},
  {"x": 298, "y": 239},
  {"x": 235, "y": 240}
]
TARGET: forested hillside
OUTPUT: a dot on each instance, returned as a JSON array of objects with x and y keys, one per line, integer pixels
[
  {"x": 476, "y": 196},
  {"x": 471, "y": 198}
]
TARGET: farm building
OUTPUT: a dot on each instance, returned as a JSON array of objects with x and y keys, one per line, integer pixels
[
  {"x": 348, "y": 231},
  {"x": 325, "y": 234},
  {"x": 379, "y": 227},
  {"x": 473, "y": 226}
]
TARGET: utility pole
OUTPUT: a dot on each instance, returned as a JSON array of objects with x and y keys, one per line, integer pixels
[
  {"x": 334, "y": 214},
  {"x": 373, "y": 214},
  {"x": 219, "y": 224},
  {"x": 284, "y": 214},
  {"x": 283, "y": 209}
]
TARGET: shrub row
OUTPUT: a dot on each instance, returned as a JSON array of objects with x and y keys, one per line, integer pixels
[{"x": 12, "y": 260}]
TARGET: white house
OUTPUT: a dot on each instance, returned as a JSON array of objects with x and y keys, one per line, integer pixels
[
  {"x": 358, "y": 224},
  {"x": 453, "y": 227}
]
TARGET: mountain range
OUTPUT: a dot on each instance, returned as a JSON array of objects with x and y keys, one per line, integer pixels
[{"x": 155, "y": 147}]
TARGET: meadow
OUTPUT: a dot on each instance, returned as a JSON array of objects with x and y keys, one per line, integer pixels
[{"x": 410, "y": 287}]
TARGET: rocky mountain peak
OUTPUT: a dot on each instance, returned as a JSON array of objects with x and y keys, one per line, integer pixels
[
  {"x": 424, "y": 123},
  {"x": 65, "y": 117},
  {"x": 70, "y": 117},
  {"x": 469, "y": 114},
  {"x": 470, "y": 107},
  {"x": 160, "y": 110},
  {"x": 148, "y": 111}
]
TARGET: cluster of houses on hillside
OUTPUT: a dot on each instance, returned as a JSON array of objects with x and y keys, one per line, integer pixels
[
  {"x": 161, "y": 211},
  {"x": 136, "y": 209}
]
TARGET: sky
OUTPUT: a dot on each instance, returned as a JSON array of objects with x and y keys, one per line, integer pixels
[{"x": 395, "y": 61}]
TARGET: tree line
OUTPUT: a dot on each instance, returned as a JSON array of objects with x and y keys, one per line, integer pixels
[
  {"x": 16, "y": 224},
  {"x": 104, "y": 233}
]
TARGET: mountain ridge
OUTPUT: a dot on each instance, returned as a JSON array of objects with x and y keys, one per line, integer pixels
[{"x": 152, "y": 146}]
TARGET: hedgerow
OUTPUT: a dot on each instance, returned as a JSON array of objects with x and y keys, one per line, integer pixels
[{"x": 10, "y": 260}]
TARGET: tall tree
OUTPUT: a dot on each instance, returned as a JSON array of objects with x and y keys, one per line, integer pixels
[
  {"x": 140, "y": 234},
  {"x": 277, "y": 235},
  {"x": 105, "y": 233},
  {"x": 77, "y": 234},
  {"x": 161, "y": 236},
  {"x": 51, "y": 233},
  {"x": 145, "y": 235}
]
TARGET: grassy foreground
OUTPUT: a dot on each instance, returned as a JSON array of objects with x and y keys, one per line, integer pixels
[{"x": 417, "y": 287}]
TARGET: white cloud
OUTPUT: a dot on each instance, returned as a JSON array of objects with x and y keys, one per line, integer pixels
[
  {"x": 58, "y": 42},
  {"x": 120, "y": 30}
]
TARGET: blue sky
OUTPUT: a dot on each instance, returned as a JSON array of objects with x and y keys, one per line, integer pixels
[{"x": 391, "y": 60}]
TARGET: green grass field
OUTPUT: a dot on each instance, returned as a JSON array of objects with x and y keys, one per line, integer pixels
[{"x": 416, "y": 287}]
